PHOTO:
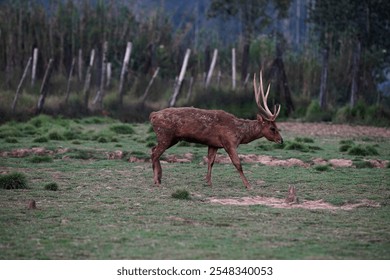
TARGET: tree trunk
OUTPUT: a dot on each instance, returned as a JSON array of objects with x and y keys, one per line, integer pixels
[
  {"x": 100, "y": 95},
  {"x": 282, "y": 82},
  {"x": 143, "y": 98},
  {"x": 211, "y": 69},
  {"x": 179, "y": 81},
  {"x": 20, "y": 85},
  {"x": 34, "y": 67},
  {"x": 69, "y": 80},
  {"x": 44, "y": 86},
  {"x": 324, "y": 77},
  {"x": 245, "y": 62},
  {"x": 355, "y": 72},
  {"x": 233, "y": 68},
  {"x": 124, "y": 71},
  {"x": 87, "y": 83}
]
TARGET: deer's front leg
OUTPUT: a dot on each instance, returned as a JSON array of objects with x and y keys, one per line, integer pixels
[
  {"x": 237, "y": 163},
  {"x": 212, "y": 152}
]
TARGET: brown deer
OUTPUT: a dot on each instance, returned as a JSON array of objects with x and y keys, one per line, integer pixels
[{"x": 214, "y": 128}]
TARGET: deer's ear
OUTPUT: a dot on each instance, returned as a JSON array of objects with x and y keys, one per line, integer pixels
[{"x": 260, "y": 119}]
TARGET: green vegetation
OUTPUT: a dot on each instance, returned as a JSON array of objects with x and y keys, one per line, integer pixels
[
  {"x": 14, "y": 180},
  {"x": 51, "y": 186},
  {"x": 181, "y": 194},
  {"x": 95, "y": 203}
]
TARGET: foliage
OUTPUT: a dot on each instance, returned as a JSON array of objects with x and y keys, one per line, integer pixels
[
  {"x": 51, "y": 186},
  {"x": 181, "y": 194},
  {"x": 14, "y": 180}
]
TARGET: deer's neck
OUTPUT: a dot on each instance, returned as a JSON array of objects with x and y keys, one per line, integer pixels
[{"x": 251, "y": 130}]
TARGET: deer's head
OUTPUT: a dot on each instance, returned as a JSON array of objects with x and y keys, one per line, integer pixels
[{"x": 265, "y": 117}]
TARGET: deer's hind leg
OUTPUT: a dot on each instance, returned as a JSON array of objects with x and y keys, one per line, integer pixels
[
  {"x": 212, "y": 152},
  {"x": 157, "y": 151}
]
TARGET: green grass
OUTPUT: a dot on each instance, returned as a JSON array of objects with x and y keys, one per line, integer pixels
[{"x": 110, "y": 209}]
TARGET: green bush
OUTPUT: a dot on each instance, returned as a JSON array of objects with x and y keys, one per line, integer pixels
[
  {"x": 11, "y": 140},
  {"x": 42, "y": 139},
  {"x": 55, "y": 135},
  {"x": 314, "y": 113},
  {"x": 13, "y": 180},
  {"x": 51, "y": 186},
  {"x": 181, "y": 194},
  {"x": 122, "y": 129},
  {"x": 39, "y": 159},
  {"x": 360, "y": 150},
  {"x": 322, "y": 168}
]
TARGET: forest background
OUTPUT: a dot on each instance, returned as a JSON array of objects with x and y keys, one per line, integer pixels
[{"x": 327, "y": 60}]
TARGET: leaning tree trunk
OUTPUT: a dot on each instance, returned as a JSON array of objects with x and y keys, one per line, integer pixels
[
  {"x": 324, "y": 77},
  {"x": 44, "y": 87},
  {"x": 282, "y": 81},
  {"x": 355, "y": 72}
]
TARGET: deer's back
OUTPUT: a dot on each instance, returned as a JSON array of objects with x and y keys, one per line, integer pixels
[{"x": 195, "y": 125}]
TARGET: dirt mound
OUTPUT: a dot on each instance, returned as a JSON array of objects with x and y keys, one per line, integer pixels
[{"x": 281, "y": 203}]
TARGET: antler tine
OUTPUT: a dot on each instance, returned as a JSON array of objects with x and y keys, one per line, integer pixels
[
  {"x": 277, "y": 111},
  {"x": 269, "y": 114},
  {"x": 257, "y": 97}
]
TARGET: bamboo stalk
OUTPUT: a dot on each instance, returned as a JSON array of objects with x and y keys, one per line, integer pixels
[{"x": 88, "y": 79}]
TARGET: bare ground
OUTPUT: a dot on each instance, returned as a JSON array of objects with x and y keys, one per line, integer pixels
[
  {"x": 337, "y": 130},
  {"x": 281, "y": 203}
]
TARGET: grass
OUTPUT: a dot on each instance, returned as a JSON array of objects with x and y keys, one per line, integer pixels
[{"x": 110, "y": 209}]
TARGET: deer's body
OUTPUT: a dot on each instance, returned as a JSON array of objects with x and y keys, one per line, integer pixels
[{"x": 214, "y": 128}]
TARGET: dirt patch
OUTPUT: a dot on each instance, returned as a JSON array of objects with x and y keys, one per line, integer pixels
[
  {"x": 281, "y": 203},
  {"x": 338, "y": 130}
]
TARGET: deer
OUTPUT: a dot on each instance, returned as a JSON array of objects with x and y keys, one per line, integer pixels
[{"x": 214, "y": 128}]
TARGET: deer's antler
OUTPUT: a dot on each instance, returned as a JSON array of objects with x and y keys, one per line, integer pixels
[{"x": 259, "y": 93}]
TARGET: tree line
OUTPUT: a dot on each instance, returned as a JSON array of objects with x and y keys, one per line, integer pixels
[{"x": 341, "y": 63}]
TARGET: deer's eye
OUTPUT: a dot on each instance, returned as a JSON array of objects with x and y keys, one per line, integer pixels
[{"x": 273, "y": 129}]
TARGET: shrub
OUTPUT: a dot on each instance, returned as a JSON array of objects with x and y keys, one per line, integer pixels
[
  {"x": 122, "y": 129},
  {"x": 55, "y": 135},
  {"x": 296, "y": 146},
  {"x": 314, "y": 113},
  {"x": 360, "y": 150},
  {"x": 39, "y": 159},
  {"x": 345, "y": 148},
  {"x": 51, "y": 186},
  {"x": 42, "y": 139},
  {"x": 181, "y": 194},
  {"x": 11, "y": 140},
  {"x": 304, "y": 140},
  {"x": 363, "y": 164},
  {"x": 13, "y": 180},
  {"x": 322, "y": 168}
]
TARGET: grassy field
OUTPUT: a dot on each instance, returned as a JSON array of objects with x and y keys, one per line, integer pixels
[{"x": 106, "y": 206}]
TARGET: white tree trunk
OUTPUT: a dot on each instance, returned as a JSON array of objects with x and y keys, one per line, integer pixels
[
  {"x": 20, "y": 84},
  {"x": 233, "y": 68},
  {"x": 34, "y": 67},
  {"x": 212, "y": 66},
  {"x": 180, "y": 79},
  {"x": 124, "y": 70}
]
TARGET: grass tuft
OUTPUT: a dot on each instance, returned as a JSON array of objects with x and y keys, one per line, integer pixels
[
  {"x": 181, "y": 194},
  {"x": 122, "y": 129},
  {"x": 322, "y": 168},
  {"x": 13, "y": 181},
  {"x": 39, "y": 159},
  {"x": 51, "y": 186}
]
